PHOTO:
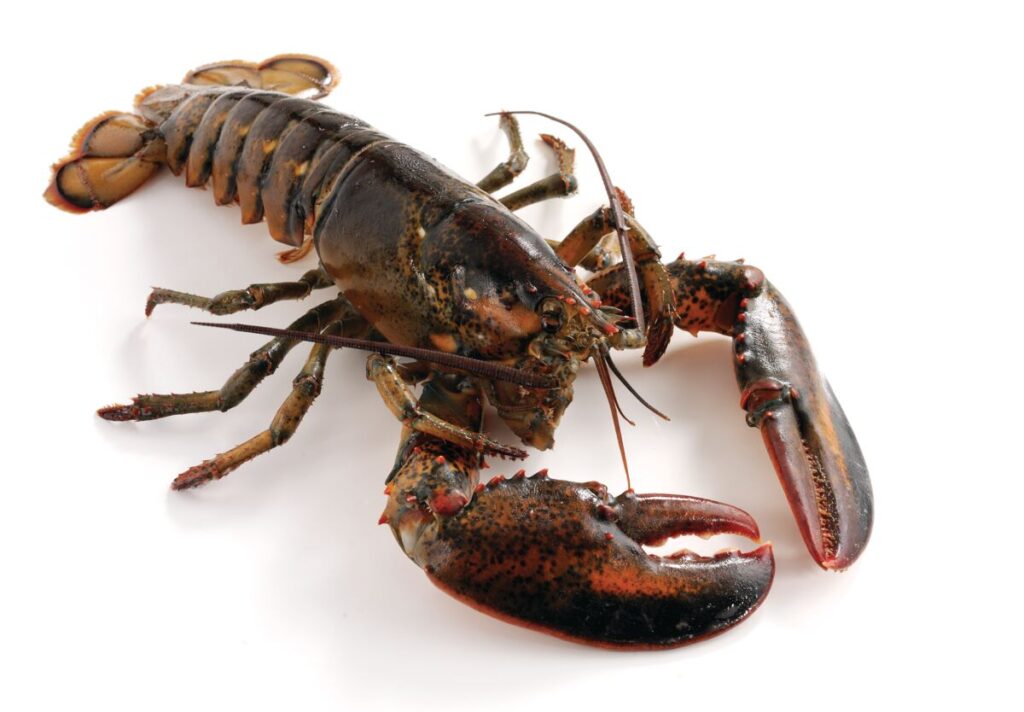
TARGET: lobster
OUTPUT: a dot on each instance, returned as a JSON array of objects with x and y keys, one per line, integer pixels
[{"x": 430, "y": 267}]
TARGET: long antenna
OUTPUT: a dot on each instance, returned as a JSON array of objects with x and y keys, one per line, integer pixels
[
  {"x": 613, "y": 199},
  {"x": 479, "y": 367}
]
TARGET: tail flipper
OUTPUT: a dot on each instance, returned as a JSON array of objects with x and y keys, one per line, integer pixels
[
  {"x": 298, "y": 74},
  {"x": 111, "y": 156}
]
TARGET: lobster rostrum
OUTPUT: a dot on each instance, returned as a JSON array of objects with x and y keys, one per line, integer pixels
[{"x": 434, "y": 269}]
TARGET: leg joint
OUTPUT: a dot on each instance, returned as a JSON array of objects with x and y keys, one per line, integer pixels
[{"x": 308, "y": 385}]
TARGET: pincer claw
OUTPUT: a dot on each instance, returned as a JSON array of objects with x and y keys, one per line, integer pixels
[
  {"x": 807, "y": 435},
  {"x": 566, "y": 559}
]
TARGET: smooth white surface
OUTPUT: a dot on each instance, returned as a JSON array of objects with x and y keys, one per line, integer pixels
[{"x": 869, "y": 157}]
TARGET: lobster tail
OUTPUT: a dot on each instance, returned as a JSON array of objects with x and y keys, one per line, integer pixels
[
  {"x": 111, "y": 156},
  {"x": 115, "y": 153}
]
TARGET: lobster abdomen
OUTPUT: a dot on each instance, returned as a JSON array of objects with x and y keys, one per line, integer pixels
[
  {"x": 277, "y": 155},
  {"x": 115, "y": 153}
]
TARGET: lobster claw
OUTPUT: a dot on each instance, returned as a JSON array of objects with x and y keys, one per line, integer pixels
[
  {"x": 808, "y": 437},
  {"x": 810, "y": 441},
  {"x": 567, "y": 559}
]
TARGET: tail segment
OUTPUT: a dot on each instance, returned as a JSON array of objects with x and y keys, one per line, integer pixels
[
  {"x": 111, "y": 156},
  {"x": 115, "y": 153}
]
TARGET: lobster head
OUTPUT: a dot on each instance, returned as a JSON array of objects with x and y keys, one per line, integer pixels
[
  {"x": 567, "y": 337},
  {"x": 517, "y": 303}
]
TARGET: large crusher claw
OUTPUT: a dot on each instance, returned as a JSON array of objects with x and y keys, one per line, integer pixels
[{"x": 567, "y": 559}]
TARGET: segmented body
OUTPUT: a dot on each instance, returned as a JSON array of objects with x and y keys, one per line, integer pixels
[
  {"x": 275, "y": 154},
  {"x": 426, "y": 257}
]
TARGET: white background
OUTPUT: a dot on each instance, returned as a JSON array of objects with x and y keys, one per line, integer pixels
[{"x": 868, "y": 156}]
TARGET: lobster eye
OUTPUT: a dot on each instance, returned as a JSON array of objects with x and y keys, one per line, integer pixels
[{"x": 552, "y": 316}]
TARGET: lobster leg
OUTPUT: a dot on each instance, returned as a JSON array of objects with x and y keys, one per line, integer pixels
[
  {"x": 808, "y": 437},
  {"x": 506, "y": 172},
  {"x": 262, "y": 362},
  {"x": 255, "y": 296},
  {"x": 556, "y": 185},
  {"x": 385, "y": 373},
  {"x": 305, "y": 388},
  {"x": 562, "y": 557}
]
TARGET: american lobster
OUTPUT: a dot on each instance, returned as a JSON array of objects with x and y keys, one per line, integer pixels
[{"x": 433, "y": 268}]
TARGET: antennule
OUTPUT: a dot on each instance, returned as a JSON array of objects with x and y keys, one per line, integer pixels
[
  {"x": 622, "y": 379},
  {"x": 609, "y": 390}
]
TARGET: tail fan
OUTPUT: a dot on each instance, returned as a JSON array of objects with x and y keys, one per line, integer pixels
[
  {"x": 111, "y": 156},
  {"x": 297, "y": 74}
]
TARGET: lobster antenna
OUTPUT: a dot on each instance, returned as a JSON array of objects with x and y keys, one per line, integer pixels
[
  {"x": 479, "y": 367},
  {"x": 613, "y": 199},
  {"x": 622, "y": 413},
  {"x": 609, "y": 389},
  {"x": 623, "y": 381}
]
